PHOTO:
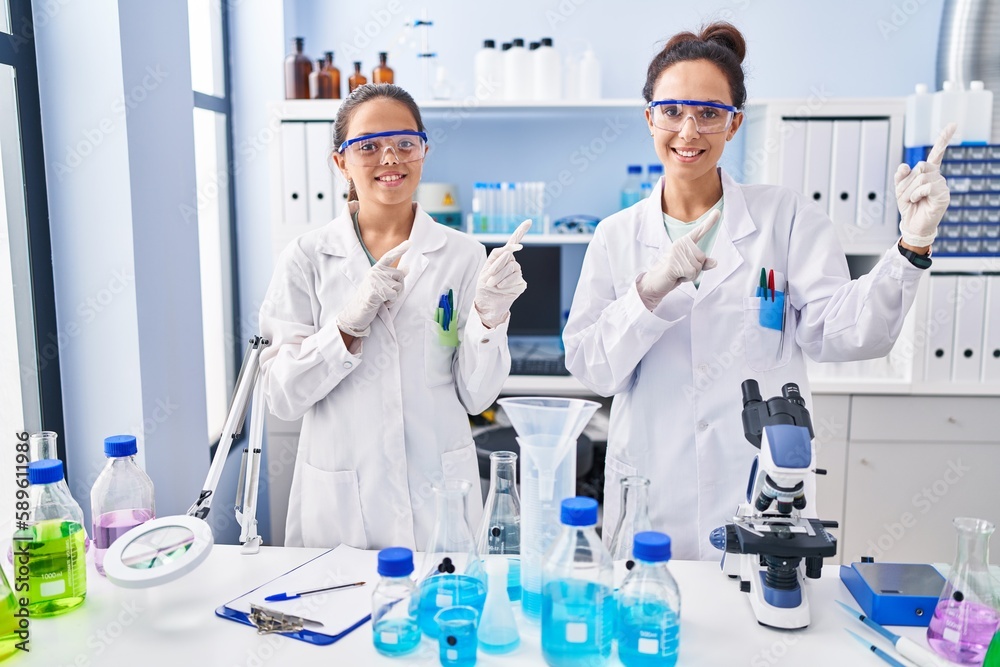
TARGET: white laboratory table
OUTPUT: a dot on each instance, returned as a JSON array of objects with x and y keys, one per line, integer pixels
[{"x": 176, "y": 624}]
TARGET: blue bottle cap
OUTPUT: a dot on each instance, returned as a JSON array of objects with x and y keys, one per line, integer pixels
[
  {"x": 120, "y": 445},
  {"x": 45, "y": 471},
  {"x": 651, "y": 546},
  {"x": 395, "y": 562},
  {"x": 579, "y": 511},
  {"x": 656, "y": 168},
  {"x": 635, "y": 169}
]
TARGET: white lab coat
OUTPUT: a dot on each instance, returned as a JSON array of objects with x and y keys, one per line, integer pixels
[
  {"x": 675, "y": 373},
  {"x": 379, "y": 427}
]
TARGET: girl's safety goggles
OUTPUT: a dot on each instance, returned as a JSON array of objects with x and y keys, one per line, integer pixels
[
  {"x": 369, "y": 150},
  {"x": 709, "y": 117}
]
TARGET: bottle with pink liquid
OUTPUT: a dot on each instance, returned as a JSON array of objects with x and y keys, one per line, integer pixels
[
  {"x": 968, "y": 611},
  {"x": 122, "y": 497}
]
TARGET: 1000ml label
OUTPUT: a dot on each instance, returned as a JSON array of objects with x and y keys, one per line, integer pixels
[{"x": 19, "y": 600}]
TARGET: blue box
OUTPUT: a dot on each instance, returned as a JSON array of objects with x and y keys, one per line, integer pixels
[{"x": 894, "y": 593}]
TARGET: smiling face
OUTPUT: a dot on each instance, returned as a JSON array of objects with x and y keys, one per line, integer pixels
[
  {"x": 389, "y": 183},
  {"x": 686, "y": 154}
]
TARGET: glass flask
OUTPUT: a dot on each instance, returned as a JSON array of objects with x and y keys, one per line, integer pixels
[
  {"x": 497, "y": 627},
  {"x": 578, "y": 599},
  {"x": 8, "y": 622},
  {"x": 43, "y": 446},
  {"x": 500, "y": 531},
  {"x": 395, "y": 630},
  {"x": 966, "y": 616},
  {"x": 992, "y": 658},
  {"x": 452, "y": 573},
  {"x": 634, "y": 518},
  {"x": 649, "y": 606}
]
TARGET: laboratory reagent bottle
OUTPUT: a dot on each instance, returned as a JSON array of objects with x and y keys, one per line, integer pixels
[
  {"x": 10, "y": 624},
  {"x": 632, "y": 188},
  {"x": 320, "y": 83},
  {"x": 578, "y": 602},
  {"x": 297, "y": 70},
  {"x": 382, "y": 72},
  {"x": 633, "y": 518},
  {"x": 649, "y": 606},
  {"x": 394, "y": 604},
  {"x": 948, "y": 106},
  {"x": 966, "y": 616},
  {"x": 518, "y": 74},
  {"x": 500, "y": 530},
  {"x": 356, "y": 79},
  {"x": 488, "y": 67},
  {"x": 497, "y": 627},
  {"x": 52, "y": 543},
  {"x": 334, "y": 74},
  {"x": 917, "y": 128},
  {"x": 978, "y": 123},
  {"x": 548, "y": 71},
  {"x": 653, "y": 173},
  {"x": 122, "y": 496}
]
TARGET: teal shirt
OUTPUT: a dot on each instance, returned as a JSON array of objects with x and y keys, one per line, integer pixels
[
  {"x": 676, "y": 229},
  {"x": 357, "y": 230}
]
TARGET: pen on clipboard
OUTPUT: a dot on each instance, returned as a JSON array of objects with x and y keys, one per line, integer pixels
[{"x": 280, "y": 597}]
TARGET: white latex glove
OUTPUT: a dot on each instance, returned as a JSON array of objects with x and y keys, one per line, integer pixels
[
  {"x": 681, "y": 263},
  {"x": 500, "y": 282},
  {"x": 382, "y": 284},
  {"x": 922, "y": 194}
]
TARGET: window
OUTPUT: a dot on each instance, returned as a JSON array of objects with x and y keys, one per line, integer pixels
[
  {"x": 212, "y": 139},
  {"x": 30, "y": 395}
]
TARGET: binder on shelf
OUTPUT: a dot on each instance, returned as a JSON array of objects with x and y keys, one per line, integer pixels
[
  {"x": 991, "y": 332},
  {"x": 872, "y": 169},
  {"x": 330, "y": 616},
  {"x": 793, "y": 154},
  {"x": 816, "y": 183},
  {"x": 294, "y": 186},
  {"x": 940, "y": 328},
  {"x": 319, "y": 177},
  {"x": 844, "y": 173},
  {"x": 970, "y": 303}
]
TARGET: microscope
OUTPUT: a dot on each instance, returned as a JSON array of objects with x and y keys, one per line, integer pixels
[{"x": 769, "y": 546}]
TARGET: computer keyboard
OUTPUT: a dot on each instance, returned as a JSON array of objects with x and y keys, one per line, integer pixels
[{"x": 538, "y": 366}]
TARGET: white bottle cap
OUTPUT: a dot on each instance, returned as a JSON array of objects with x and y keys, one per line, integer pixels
[
  {"x": 921, "y": 89},
  {"x": 976, "y": 85},
  {"x": 948, "y": 86}
]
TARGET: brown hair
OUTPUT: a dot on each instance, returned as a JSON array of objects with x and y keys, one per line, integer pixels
[
  {"x": 360, "y": 95},
  {"x": 719, "y": 43}
]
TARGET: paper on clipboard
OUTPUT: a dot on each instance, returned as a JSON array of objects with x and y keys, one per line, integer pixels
[{"x": 336, "y": 610}]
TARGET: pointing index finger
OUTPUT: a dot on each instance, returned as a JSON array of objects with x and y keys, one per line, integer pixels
[
  {"x": 937, "y": 152},
  {"x": 390, "y": 257},
  {"x": 519, "y": 233},
  {"x": 702, "y": 229}
]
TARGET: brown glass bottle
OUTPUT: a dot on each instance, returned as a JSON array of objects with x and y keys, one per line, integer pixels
[
  {"x": 334, "y": 75},
  {"x": 297, "y": 70},
  {"x": 320, "y": 84},
  {"x": 383, "y": 73},
  {"x": 357, "y": 79}
]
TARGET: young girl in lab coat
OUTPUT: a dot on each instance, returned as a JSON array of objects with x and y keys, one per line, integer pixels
[
  {"x": 667, "y": 317},
  {"x": 386, "y": 330}
]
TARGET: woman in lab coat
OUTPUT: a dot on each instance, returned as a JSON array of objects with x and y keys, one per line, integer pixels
[
  {"x": 666, "y": 316},
  {"x": 362, "y": 348}
]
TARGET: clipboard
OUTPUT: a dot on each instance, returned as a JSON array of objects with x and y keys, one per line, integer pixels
[{"x": 336, "y": 610}]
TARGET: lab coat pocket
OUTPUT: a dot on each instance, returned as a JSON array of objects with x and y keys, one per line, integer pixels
[
  {"x": 614, "y": 471},
  {"x": 765, "y": 349},
  {"x": 437, "y": 356},
  {"x": 331, "y": 509}
]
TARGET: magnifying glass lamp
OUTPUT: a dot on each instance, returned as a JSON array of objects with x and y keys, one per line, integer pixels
[{"x": 167, "y": 548}]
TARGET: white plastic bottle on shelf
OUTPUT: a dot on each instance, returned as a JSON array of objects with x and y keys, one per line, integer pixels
[
  {"x": 948, "y": 107},
  {"x": 548, "y": 72},
  {"x": 978, "y": 125},
  {"x": 489, "y": 72},
  {"x": 917, "y": 128},
  {"x": 517, "y": 72},
  {"x": 590, "y": 76}
]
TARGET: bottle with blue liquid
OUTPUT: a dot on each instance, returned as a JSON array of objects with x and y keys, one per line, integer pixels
[
  {"x": 578, "y": 601},
  {"x": 649, "y": 606},
  {"x": 394, "y": 604},
  {"x": 632, "y": 188}
]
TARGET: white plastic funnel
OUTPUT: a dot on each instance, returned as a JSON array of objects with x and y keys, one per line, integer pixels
[{"x": 547, "y": 428}]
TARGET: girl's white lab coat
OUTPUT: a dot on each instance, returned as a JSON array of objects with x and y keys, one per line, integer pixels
[
  {"x": 381, "y": 426},
  {"x": 675, "y": 373}
]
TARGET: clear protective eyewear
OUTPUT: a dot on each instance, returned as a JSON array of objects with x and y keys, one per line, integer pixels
[
  {"x": 709, "y": 117},
  {"x": 369, "y": 150}
]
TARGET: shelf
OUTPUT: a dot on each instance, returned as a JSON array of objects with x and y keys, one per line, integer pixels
[
  {"x": 535, "y": 239},
  {"x": 326, "y": 110},
  {"x": 971, "y": 264}
]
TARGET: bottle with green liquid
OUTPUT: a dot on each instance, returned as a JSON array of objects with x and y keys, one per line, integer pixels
[
  {"x": 992, "y": 658},
  {"x": 8, "y": 622},
  {"x": 52, "y": 542}
]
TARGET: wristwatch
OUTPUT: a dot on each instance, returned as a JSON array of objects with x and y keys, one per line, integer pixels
[{"x": 919, "y": 261}]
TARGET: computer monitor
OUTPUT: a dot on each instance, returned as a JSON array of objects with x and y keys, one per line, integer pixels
[{"x": 537, "y": 312}]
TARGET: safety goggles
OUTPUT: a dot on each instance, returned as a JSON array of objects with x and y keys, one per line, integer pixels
[
  {"x": 709, "y": 117},
  {"x": 369, "y": 150}
]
